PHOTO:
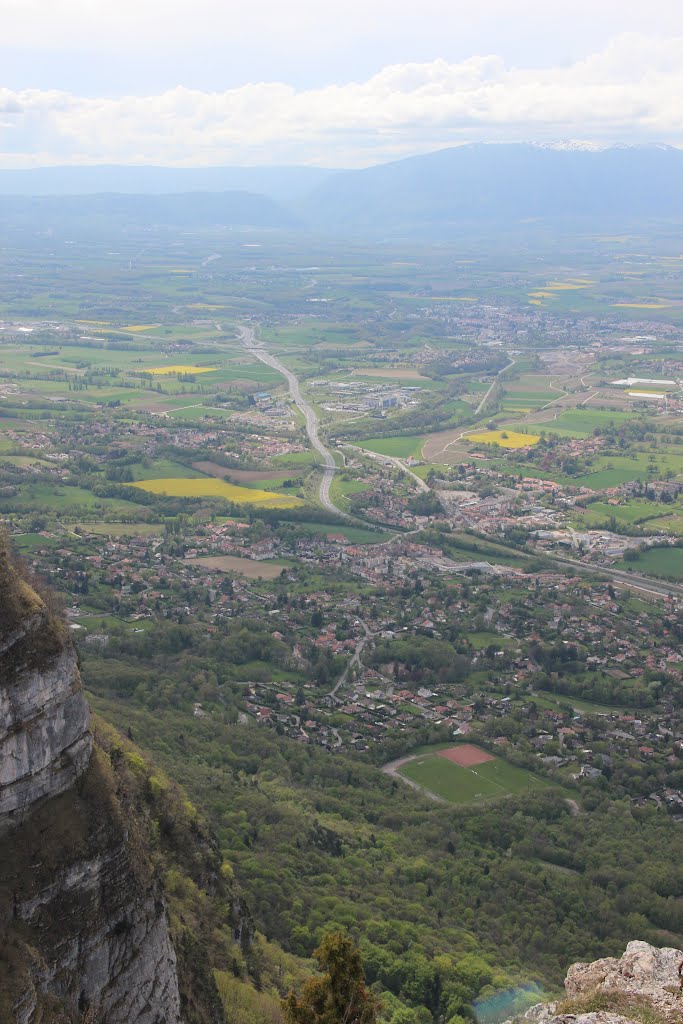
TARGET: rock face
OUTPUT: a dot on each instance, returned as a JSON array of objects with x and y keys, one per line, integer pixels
[
  {"x": 83, "y": 928},
  {"x": 644, "y": 984},
  {"x": 45, "y": 744}
]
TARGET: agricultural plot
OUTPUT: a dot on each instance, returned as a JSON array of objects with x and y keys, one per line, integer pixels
[
  {"x": 466, "y": 774},
  {"x": 613, "y": 470},
  {"x": 353, "y": 534},
  {"x": 504, "y": 438},
  {"x": 585, "y": 420},
  {"x": 66, "y": 501},
  {"x": 164, "y": 371},
  {"x": 665, "y": 562},
  {"x": 390, "y": 373},
  {"x": 241, "y": 476},
  {"x": 530, "y": 391},
  {"x": 208, "y": 487},
  {"x": 395, "y": 447},
  {"x": 634, "y": 512},
  {"x": 162, "y": 469},
  {"x": 249, "y": 567},
  {"x": 120, "y": 529}
]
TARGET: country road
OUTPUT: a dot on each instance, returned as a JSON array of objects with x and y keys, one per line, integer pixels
[
  {"x": 482, "y": 404},
  {"x": 256, "y": 349},
  {"x": 398, "y": 463},
  {"x": 355, "y": 660}
]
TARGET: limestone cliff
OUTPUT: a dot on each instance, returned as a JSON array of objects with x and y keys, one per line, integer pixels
[
  {"x": 642, "y": 987},
  {"x": 83, "y": 929},
  {"x": 45, "y": 744}
]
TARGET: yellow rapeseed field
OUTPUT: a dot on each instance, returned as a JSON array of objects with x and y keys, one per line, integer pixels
[
  {"x": 139, "y": 327},
  {"x": 165, "y": 370},
  {"x": 207, "y": 487},
  {"x": 504, "y": 438},
  {"x": 655, "y": 304},
  {"x": 574, "y": 284}
]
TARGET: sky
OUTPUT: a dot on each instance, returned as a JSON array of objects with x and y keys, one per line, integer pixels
[{"x": 264, "y": 82}]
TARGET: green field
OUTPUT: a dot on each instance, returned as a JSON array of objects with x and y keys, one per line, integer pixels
[
  {"x": 487, "y": 781},
  {"x": 120, "y": 529},
  {"x": 481, "y": 640},
  {"x": 60, "y": 498},
  {"x": 637, "y": 511},
  {"x": 162, "y": 469},
  {"x": 613, "y": 470},
  {"x": 354, "y": 534},
  {"x": 396, "y": 447},
  {"x": 584, "y": 421},
  {"x": 664, "y": 562}
]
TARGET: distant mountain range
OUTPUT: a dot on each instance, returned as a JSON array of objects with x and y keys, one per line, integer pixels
[
  {"x": 503, "y": 183},
  {"x": 117, "y": 211},
  {"x": 282, "y": 184},
  {"x": 484, "y": 183}
]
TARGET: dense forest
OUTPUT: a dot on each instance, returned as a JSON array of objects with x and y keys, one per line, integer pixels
[{"x": 447, "y": 904}]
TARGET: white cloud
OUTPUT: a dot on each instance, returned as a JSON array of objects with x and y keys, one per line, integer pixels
[
  {"x": 72, "y": 24},
  {"x": 630, "y": 91}
]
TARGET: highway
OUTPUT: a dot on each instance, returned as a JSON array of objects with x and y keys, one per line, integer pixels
[
  {"x": 256, "y": 348},
  {"x": 252, "y": 344}
]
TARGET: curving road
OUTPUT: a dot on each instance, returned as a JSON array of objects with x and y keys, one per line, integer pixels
[
  {"x": 398, "y": 463},
  {"x": 255, "y": 347},
  {"x": 392, "y": 771}
]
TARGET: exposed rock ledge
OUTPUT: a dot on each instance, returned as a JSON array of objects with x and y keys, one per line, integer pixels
[
  {"x": 83, "y": 927},
  {"x": 45, "y": 743},
  {"x": 642, "y": 987}
]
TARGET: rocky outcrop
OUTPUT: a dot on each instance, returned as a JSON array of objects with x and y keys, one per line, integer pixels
[
  {"x": 641, "y": 987},
  {"x": 45, "y": 744},
  {"x": 83, "y": 927},
  {"x": 109, "y": 949}
]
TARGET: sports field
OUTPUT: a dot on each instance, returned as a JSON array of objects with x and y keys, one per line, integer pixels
[{"x": 466, "y": 774}]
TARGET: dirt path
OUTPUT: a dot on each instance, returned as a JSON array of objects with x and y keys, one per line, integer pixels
[{"x": 392, "y": 770}]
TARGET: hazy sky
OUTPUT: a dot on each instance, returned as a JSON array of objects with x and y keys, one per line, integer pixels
[{"x": 304, "y": 81}]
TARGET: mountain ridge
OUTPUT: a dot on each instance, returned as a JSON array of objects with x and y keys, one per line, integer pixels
[
  {"x": 489, "y": 184},
  {"x": 507, "y": 182}
]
